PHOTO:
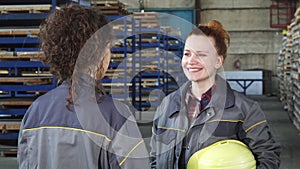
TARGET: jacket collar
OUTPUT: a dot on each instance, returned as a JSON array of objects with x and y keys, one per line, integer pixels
[{"x": 223, "y": 93}]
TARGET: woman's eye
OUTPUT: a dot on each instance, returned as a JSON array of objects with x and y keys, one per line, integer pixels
[{"x": 186, "y": 54}]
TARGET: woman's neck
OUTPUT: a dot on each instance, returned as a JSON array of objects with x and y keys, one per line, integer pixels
[{"x": 198, "y": 88}]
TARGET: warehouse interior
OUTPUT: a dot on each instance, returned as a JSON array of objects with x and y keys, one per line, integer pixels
[{"x": 263, "y": 59}]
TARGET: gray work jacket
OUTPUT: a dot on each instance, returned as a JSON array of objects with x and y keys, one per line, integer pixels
[
  {"x": 54, "y": 137},
  {"x": 229, "y": 115}
]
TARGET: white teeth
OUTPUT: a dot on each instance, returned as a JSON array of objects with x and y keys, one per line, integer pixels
[{"x": 194, "y": 70}]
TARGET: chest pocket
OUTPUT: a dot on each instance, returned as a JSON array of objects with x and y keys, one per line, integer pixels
[{"x": 225, "y": 128}]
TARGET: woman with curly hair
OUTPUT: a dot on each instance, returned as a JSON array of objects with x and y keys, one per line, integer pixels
[{"x": 76, "y": 125}]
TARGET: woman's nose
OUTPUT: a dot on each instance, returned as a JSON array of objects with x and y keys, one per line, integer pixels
[{"x": 193, "y": 58}]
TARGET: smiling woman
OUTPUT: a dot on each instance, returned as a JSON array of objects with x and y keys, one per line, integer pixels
[
  {"x": 206, "y": 110},
  {"x": 204, "y": 53},
  {"x": 200, "y": 61}
]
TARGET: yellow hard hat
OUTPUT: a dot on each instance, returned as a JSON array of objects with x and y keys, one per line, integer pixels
[{"x": 225, "y": 154}]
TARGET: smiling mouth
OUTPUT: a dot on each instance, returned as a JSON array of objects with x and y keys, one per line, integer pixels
[{"x": 194, "y": 69}]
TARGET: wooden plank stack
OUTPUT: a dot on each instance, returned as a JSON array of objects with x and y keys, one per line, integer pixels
[
  {"x": 111, "y": 7},
  {"x": 289, "y": 70},
  {"x": 6, "y": 9},
  {"x": 147, "y": 19},
  {"x": 295, "y": 69}
]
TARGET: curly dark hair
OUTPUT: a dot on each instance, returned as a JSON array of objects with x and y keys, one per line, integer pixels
[{"x": 63, "y": 36}]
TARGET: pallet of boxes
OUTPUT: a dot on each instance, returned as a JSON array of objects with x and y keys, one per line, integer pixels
[
  {"x": 289, "y": 62},
  {"x": 295, "y": 68}
]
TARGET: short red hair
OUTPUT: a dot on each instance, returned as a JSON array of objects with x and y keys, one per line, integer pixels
[{"x": 215, "y": 30}]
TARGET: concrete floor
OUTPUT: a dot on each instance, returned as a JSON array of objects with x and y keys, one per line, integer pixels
[{"x": 283, "y": 130}]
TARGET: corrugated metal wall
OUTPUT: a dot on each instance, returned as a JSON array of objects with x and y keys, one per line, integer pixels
[{"x": 253, "y": 41}]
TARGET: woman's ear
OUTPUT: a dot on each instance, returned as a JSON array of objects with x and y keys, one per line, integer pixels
[{"x": 220, "y": 61}]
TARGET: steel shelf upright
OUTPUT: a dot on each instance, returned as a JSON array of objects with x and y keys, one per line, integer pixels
[
  {"x": 150, "y": 67},
  {"x": 121, "y": 68},
  {"x": 174, "y": 76}
]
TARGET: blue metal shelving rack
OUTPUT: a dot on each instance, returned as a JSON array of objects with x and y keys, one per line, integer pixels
[
  {"x": 138, "y": 63},
  {"x": 165, "y": 82},
  {"x": 18, "y": 90},
  {"x": 143, "y": 74}
]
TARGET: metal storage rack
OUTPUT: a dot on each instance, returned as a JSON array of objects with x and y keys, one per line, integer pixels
[
  {"x": 157, "y": 49},
  {"x": 117, "y": 81},
  {"x": 150, "y": 67},
  {"x": 23, "y": 77}
]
